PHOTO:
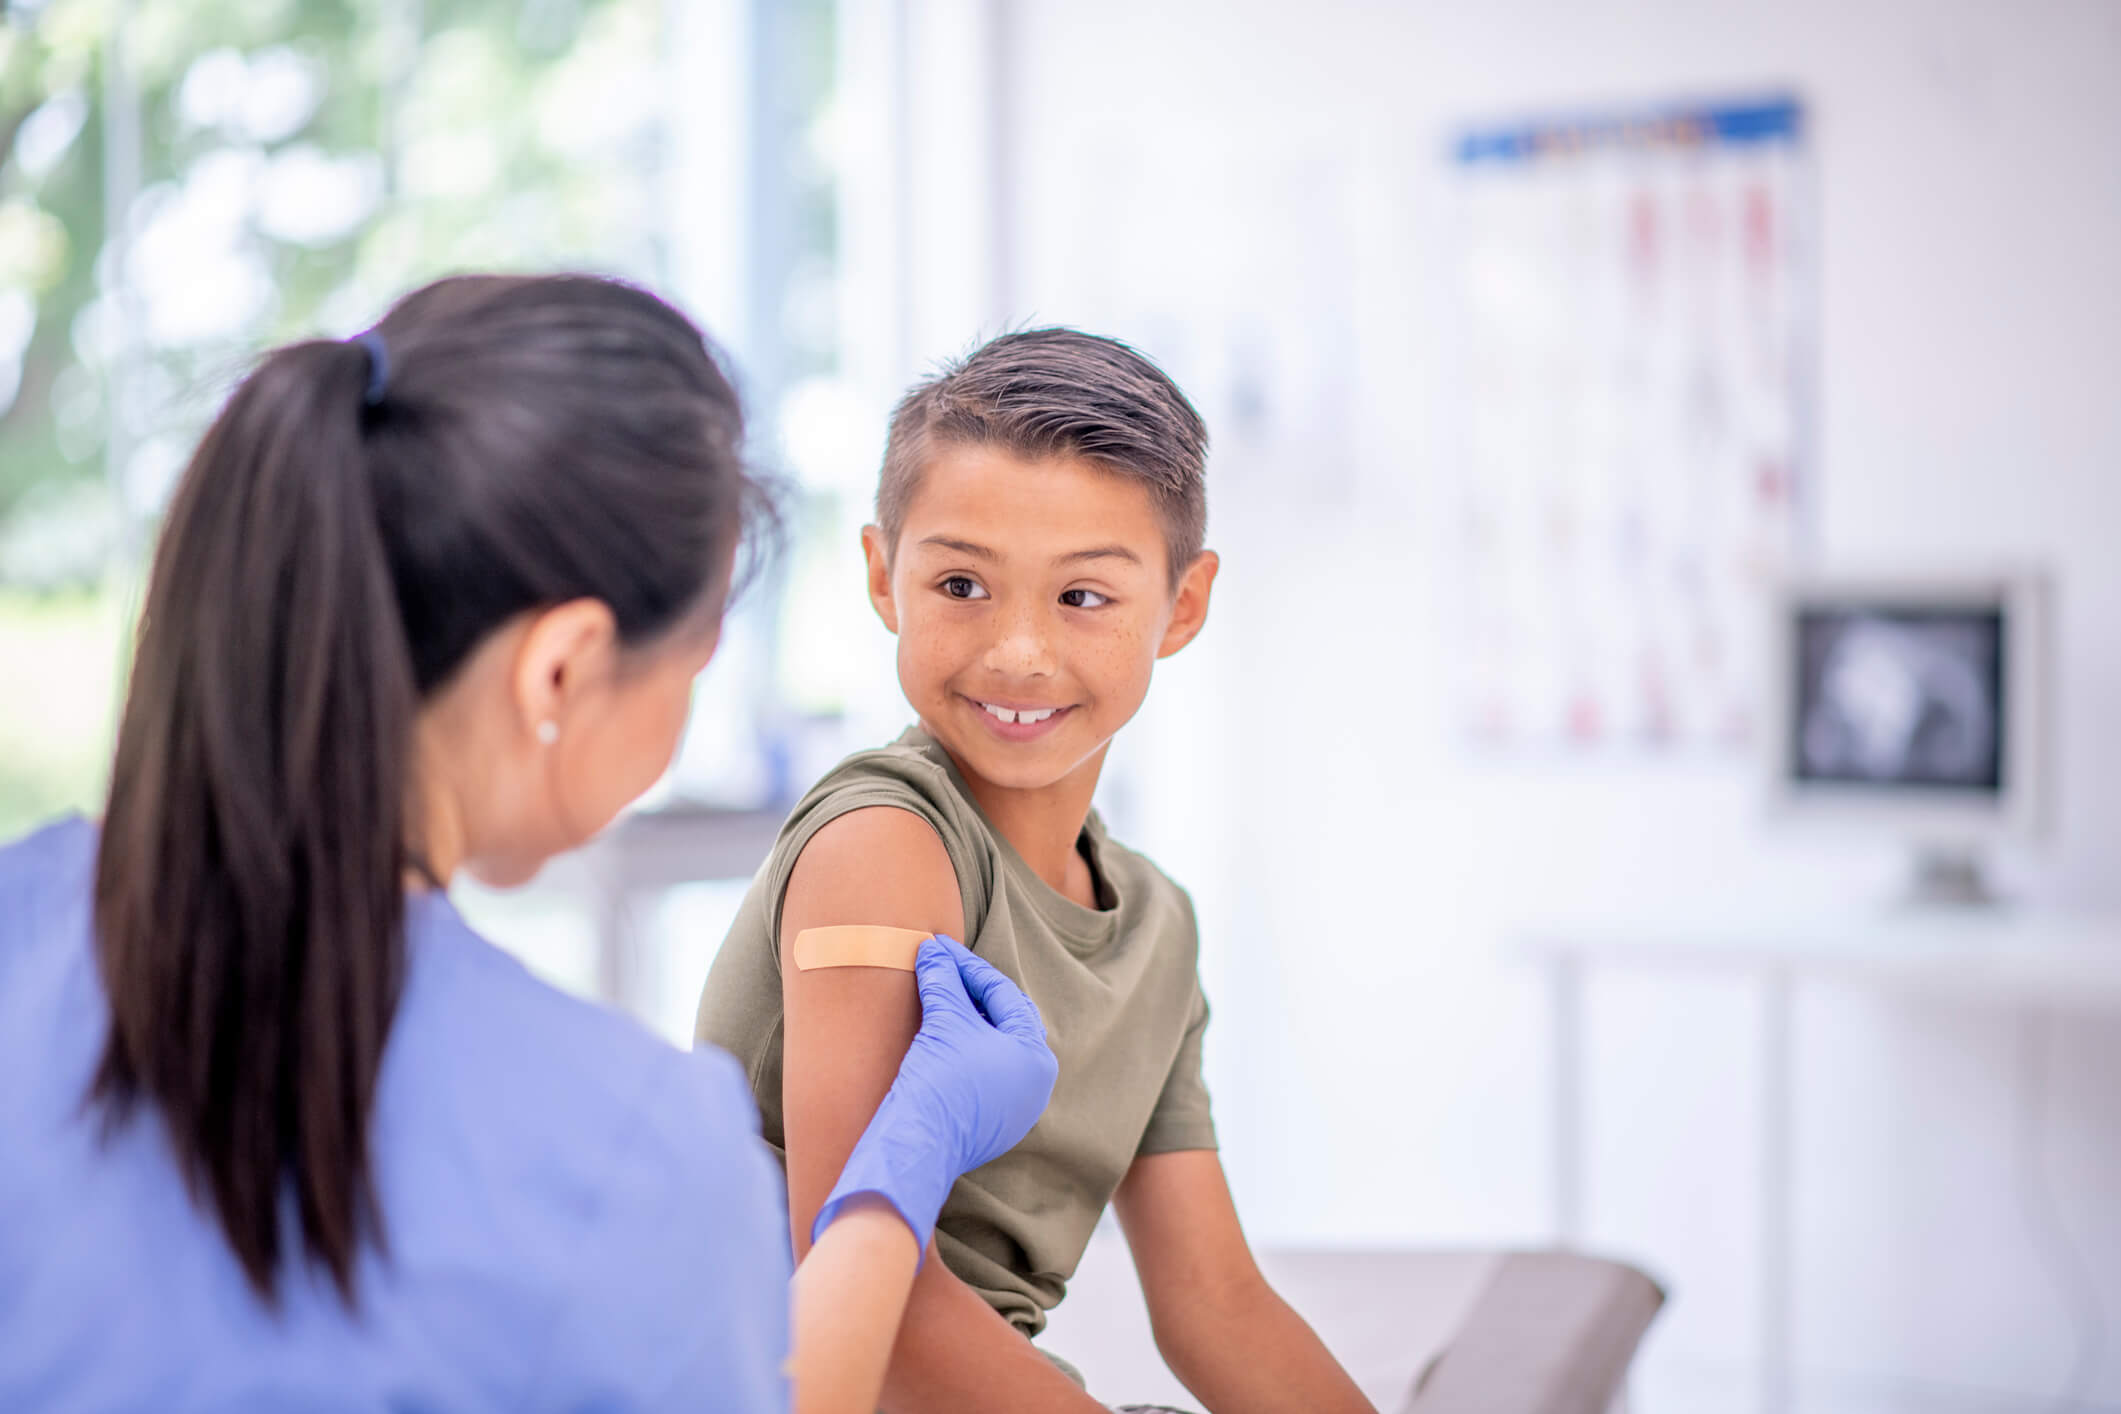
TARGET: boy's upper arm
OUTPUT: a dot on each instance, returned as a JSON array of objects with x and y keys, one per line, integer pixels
[{"x": 847, "y": 1028}]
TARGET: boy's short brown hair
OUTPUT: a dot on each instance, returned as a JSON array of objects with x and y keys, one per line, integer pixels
[{"x": 1044, "y": 393}]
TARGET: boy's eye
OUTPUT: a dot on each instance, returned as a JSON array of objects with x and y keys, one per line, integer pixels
[
  {"x": 1083, "y": 599},
  {"x": 960, "y": 586}
]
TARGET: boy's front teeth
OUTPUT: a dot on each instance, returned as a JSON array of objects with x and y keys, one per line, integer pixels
[{"x": 1003, "y": 714}]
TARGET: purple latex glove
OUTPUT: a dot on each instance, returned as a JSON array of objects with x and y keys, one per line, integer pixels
[{"x": 974, "y": 1081}]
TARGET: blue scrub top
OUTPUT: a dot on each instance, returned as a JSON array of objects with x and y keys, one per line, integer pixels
[{"x": 579, "y": 1217}]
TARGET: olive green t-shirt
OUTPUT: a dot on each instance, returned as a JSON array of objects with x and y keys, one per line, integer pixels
[{"x": 1117, "y": 985}]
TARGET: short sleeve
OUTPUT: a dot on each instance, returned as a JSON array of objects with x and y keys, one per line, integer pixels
[
  {"x": 1182, "y": 1119},
  {"x": 684, "y": 1301}
]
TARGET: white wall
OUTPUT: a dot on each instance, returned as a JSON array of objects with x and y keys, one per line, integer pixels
[{"x": 1379, "y": 1064}]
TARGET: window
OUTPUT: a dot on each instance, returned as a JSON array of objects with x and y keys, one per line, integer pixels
[{"x": 184, "y": 182}]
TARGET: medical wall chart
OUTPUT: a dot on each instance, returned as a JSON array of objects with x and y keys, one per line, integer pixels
[{"x": 1629, "y": 406}]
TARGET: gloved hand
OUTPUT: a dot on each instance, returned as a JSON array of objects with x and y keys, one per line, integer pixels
[{"x": 974, "y": 1081}]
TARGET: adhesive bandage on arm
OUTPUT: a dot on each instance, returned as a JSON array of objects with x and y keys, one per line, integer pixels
[{"x": 858, "y": 945}]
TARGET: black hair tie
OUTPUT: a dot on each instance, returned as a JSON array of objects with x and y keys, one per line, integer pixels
[{"x": 378, "y": 365}]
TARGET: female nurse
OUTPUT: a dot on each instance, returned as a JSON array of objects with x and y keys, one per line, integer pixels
[{"x": 280, "y": 1131}]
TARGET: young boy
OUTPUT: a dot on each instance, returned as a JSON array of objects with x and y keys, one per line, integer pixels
[{"x": 1037, "y": 549}]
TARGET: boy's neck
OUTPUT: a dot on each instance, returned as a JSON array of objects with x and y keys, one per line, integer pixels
[{"x": 1042, "y": 825}]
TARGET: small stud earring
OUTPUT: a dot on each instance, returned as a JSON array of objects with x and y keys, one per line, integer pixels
[{"x": 548, "y": 732}]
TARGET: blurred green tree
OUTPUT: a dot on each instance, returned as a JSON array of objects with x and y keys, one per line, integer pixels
[{"x": 301, "y": 161}]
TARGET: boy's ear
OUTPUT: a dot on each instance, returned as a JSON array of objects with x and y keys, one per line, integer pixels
[
  {"x": 878, "y": 554},
  {"x": 1190, "y": 610}
]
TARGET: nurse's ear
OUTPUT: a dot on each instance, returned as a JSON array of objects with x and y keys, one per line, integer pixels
[{"x": 568, "y": 653}]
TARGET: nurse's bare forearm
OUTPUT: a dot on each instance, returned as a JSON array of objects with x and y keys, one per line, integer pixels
[
  {"x": 848, "y": 1297},
  {"x": 956, "y": 1356}
]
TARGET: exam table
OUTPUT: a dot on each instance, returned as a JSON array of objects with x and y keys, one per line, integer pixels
[{"x": 1422, "y": 1332}]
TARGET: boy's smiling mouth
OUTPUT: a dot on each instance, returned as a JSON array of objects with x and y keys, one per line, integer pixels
[{"x": 1018, "y": 723}]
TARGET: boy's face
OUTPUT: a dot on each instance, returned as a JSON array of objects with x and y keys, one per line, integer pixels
[{"x": 1031, "y": 600}]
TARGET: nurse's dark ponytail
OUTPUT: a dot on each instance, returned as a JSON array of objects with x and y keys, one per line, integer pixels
[{"x": 358, "y": 518}]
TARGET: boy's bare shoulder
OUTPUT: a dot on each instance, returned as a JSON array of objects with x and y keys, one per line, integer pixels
[
  {"x": 886, "y": 838},
  {"x": 881, "y": 865}
]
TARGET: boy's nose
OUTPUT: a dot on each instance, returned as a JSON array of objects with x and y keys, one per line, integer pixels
[{"x": 1021, "y": 650}]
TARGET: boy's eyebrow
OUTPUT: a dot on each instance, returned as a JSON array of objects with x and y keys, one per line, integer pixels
[
  {"x": 963, "y": 547},
  {"x": 1102, "y": 552}
]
